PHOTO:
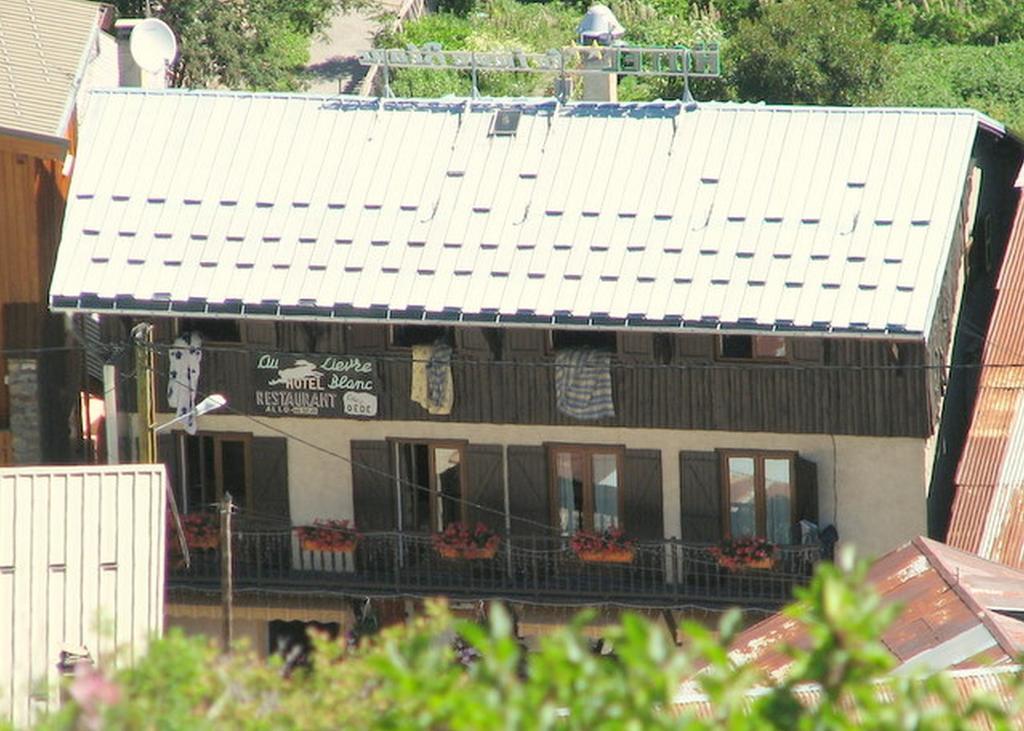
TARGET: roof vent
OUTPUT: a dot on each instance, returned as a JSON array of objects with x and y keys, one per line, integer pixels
[{"x": 505, "y": 122}]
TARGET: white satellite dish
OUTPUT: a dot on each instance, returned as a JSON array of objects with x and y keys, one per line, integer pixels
[{"x": 153, "y": 45}]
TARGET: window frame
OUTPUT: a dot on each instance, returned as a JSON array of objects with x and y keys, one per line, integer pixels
[
  {"x": 587, "y": 450},
  {"x": 720, "y": 355},
  {"x": 180, "y": 328},
  {"x": 760, "y": 499},
  {"x": 446, "y": 334},
  {"x": 552, "y": 348},
  {"x": 218, "y": 463},
  {"x": 431, "y": 444}
]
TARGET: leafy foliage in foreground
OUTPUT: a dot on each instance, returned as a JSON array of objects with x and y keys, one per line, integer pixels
[{"x": 412, "y": 678}]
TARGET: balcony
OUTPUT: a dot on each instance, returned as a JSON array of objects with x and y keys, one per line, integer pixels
[{"x": 535, "y": 568}]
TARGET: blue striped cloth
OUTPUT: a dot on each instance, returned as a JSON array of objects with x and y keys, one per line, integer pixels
[{"x": 583, "y": 383}]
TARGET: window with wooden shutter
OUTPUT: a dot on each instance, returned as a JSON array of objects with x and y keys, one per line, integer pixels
[
  {"x": 700, "y": 497},
  {"x": 373, "y": 487},
  {"x": 529, "y": 503}
]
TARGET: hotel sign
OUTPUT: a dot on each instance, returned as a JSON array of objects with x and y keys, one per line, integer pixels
[{"x": 314, "y": 385}]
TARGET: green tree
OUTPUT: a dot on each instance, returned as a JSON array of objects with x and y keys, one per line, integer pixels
[
  {"x": 417, "y": 677},
  {"x": 806, "y": 52},
  {"x": 242, "y": 44}
]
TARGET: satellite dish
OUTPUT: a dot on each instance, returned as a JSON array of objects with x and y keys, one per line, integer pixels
[{"x": 153, "y": 45}]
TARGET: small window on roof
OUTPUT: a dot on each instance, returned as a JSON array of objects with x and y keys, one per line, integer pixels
[
  {"x": 596, "y": 339},
  {"x": 505, "y": 122},
  {"x": 406, "y": 336},
  {"x": 752, "y": 347},
  {"x": 212, "y": 330}
]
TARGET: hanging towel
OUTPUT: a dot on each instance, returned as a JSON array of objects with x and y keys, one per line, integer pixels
[
  {"x": 583, "y": 383},
  {"x": 183, "y": 376},
  {"x": 432, "y": 386}
]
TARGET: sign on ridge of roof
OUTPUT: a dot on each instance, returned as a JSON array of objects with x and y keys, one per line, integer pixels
[{"x": 735, "y": 217}]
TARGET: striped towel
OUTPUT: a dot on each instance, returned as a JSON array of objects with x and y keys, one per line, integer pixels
[{"x": 583, "y": 383}]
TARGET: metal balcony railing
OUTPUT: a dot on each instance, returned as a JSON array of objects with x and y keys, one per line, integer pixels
[{"x": 538, "y": 568}]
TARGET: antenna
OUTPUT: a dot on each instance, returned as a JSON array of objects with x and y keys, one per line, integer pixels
[{"x": 153, "y": 45}]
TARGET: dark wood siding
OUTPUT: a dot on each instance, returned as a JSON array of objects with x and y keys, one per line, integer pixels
[
  {"x": 834, "y": 386},
  {"x": 701, "y": 496},
  {"x": 641, "y": 498}
]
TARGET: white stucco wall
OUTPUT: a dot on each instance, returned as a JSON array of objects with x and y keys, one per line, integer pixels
[{"x": 881, "y": 481}]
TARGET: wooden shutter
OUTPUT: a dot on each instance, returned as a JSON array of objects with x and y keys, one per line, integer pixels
[
  {"x": 525, "y": 343},
  {"x": 270, "y": 478},
  {"x": 529, "y": 501},
  {"x": 641, "y": 494},
  {"x": 807, "y": 350},
  {"x": 471, "y": 341},
  {"x": 366, "y": 338},
  {"x": 701, "y": 496},
  {"x": 636, "y": 345},
  {"x": 485, "y": 486},
  {"x": 806, "y": 490},
  {"x": 691, "y": 347},
  {"x": 373, "y": 488}
]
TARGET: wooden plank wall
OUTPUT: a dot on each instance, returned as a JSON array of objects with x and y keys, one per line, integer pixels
[
  {"x": 33, "y": 192},
  {"x": 832, "y": 386}
]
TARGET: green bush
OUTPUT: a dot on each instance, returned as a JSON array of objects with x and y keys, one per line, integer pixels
[{"x": 416, "y": 677}]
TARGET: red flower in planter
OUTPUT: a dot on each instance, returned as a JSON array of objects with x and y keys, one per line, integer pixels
[
  {"x": 330, "y": 536},
  {"x": 608, "y": 546},
  {"x": 458, "y": 541},
  {"x": 744, "y": 553},
  {"x": 202, "y": 530}
]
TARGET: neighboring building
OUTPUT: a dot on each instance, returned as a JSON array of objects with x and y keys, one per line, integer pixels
[
  {"x": 771, "y": 293},
  {"x": 81, "y": 575},
  {"x": 986, "y": 515},
  {"x": 49, "y": 50},
  {"x": 958, "y": 612}
]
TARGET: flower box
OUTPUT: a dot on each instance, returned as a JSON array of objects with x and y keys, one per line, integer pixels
[
  {"x": 328, "y": 536},
  {"x": 459, "y": 542},
  {"x": 202, "y": 531},
  {"x": 742, "y": 554},
  {"x": 608, "y": 546},
  {"x": 470, "y": 552},
  {"x": 622, "y": 555}
]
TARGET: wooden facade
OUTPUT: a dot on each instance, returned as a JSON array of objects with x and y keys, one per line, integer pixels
[{"x": 33, "y": 192}]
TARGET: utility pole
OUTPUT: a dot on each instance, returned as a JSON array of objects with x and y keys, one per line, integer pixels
[
  {"x": 227, "y": 588},
  {"x": 143, "y": 336}
]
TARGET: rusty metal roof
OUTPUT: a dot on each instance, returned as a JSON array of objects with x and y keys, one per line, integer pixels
[
  {"x": 990, "y": 479},
  {"x": 957, "y": 612},
  {"x": 998, "y": 683}
]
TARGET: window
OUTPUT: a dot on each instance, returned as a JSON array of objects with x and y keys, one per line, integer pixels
[
  {"x": 596, "y": 339},
  {"x": 585, "y": 485},
  {"x": 215, "y": 463},
  {"x": 406, "y": 336},
  {"x": 752, "y": 347},
  {"x": 212, "y": 330},
  {"x": 431, "y": 485},
  {"x": 759, "y": 494}
]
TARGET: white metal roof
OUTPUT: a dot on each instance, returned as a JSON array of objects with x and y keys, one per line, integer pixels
[{"x": 728, "y": 216}]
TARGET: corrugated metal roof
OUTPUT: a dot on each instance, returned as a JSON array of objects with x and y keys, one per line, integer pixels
[
  {"x": 733, "y": 216},
  {"x": 994, "y": 683},
  {"x": 44, "y": 47},
  {"x": 949, "y": 616},
  {"x": 989, "y": 501}
]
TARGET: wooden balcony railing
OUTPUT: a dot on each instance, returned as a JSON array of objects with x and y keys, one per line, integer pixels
[{"x": 540, "y": 568}]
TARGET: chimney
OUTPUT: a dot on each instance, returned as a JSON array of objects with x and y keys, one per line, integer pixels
[{"x": 601, "y": 28}]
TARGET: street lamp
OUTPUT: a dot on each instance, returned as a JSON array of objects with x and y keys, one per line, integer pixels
[{"x": 210, "y": 403}]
